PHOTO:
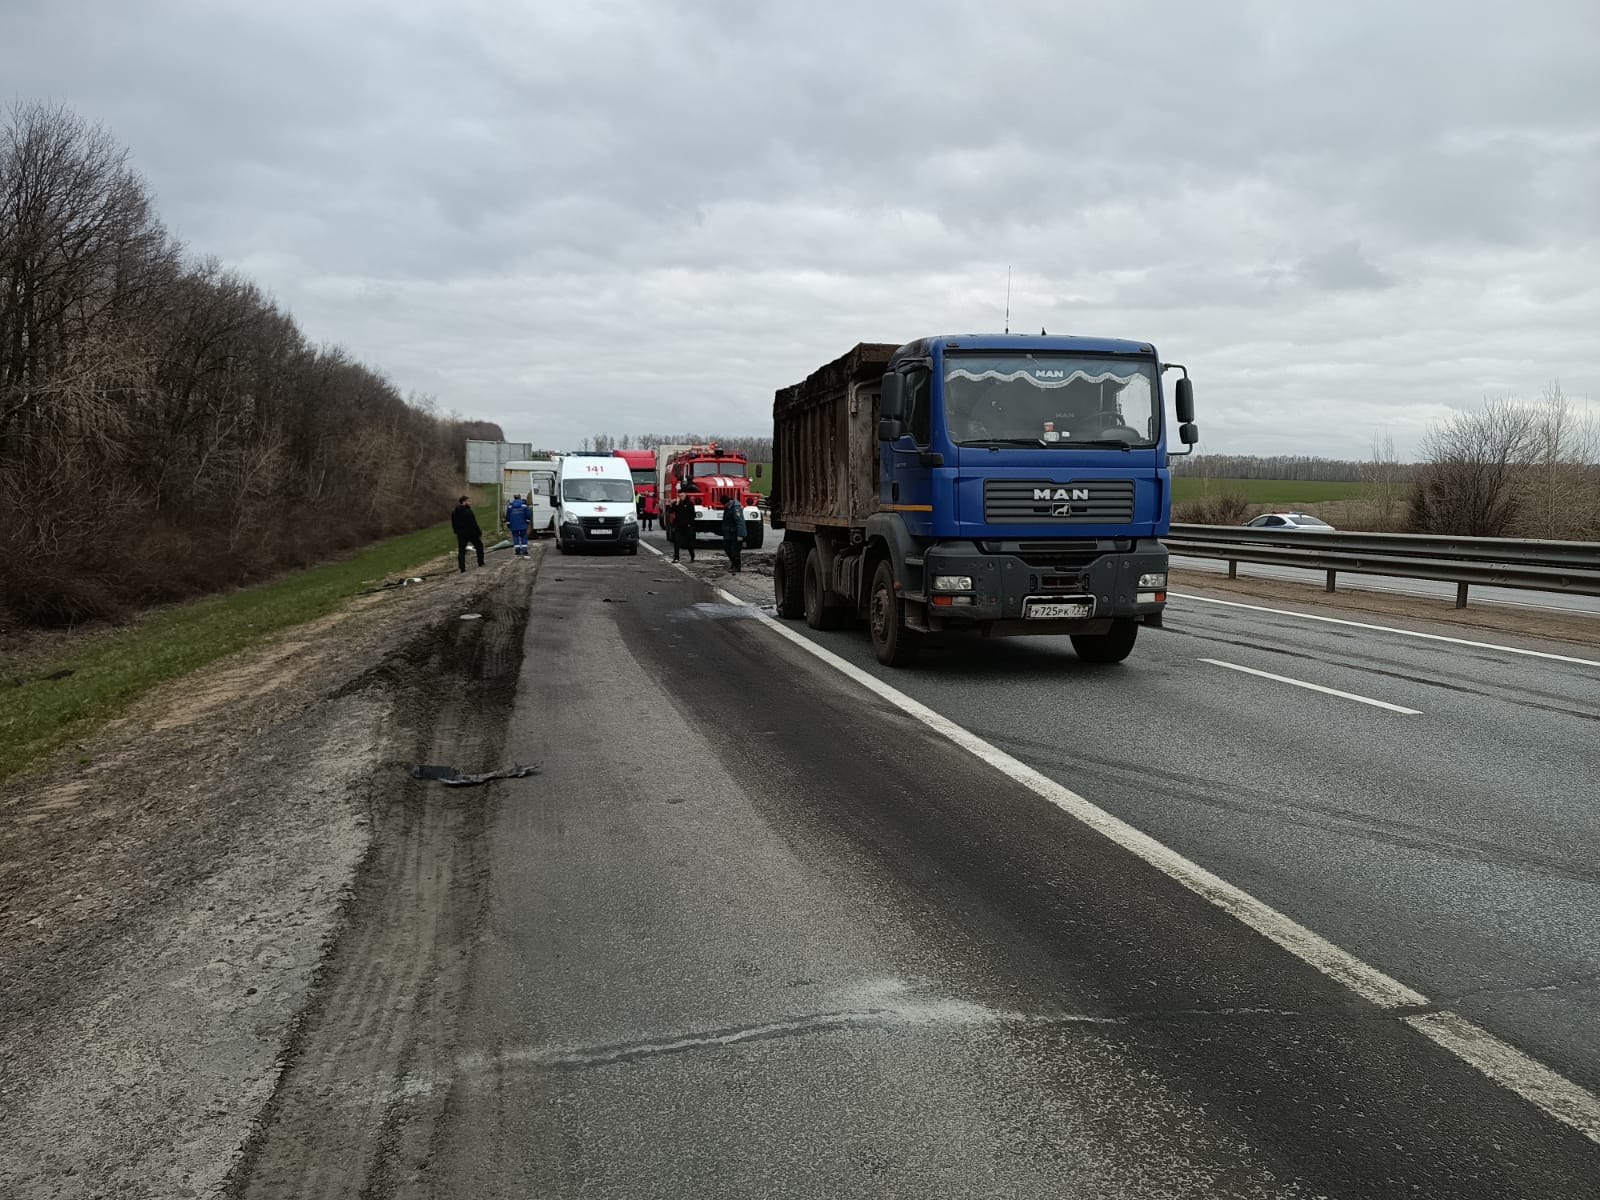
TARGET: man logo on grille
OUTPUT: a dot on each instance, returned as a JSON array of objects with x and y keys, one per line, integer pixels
[{"x": 1060, "y": 493}]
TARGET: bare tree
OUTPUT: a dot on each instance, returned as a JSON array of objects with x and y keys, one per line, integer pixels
[
  {"x": 1384, "y": 476},
  {"x": 1561, "y": 494},
  {"x": 1473, "y": 478}
]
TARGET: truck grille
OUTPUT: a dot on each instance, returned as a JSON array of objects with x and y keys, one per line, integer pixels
[
  {"x": 600, "y": 522},
  {"x": 1045, "y": 502}
]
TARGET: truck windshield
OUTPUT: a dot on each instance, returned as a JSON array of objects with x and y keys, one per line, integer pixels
[
  {"x": 643, "y": 476},
  {"x": 735, "y": 469},
  {"x": 1050, "y": 399},
  {"x": 598, "y": 491}
]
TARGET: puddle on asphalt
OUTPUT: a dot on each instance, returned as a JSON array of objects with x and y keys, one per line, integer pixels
[{"x": 719, "y": 611}]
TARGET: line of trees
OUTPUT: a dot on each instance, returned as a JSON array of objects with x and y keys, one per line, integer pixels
[
  {"x": 1271, "y": 466},
  {"x": 165, "y": 427},
  {"x": 756, "y": 449}
]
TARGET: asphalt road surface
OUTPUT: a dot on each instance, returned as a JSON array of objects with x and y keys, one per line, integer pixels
[{"x": 775, "y": 924}]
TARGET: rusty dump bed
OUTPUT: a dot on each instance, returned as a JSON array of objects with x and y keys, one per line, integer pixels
[{"x": 825, "y": 442}]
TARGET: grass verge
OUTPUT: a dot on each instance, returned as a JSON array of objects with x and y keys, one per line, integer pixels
[{"x": 39, "y": 714}]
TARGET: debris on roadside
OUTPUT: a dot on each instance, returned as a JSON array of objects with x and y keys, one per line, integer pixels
[
  {"x": 450, "y": 778},
  {"x": 391, "y": 584}
]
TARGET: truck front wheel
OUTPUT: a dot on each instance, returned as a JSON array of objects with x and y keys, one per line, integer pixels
[
  {"x": 756, "y": 535},
  {"x": 819, "y": 613},
  {"x": 893, "y": 643},
  {"x": 788, "y": 579},
  {"x": 1110, "y": 647}
]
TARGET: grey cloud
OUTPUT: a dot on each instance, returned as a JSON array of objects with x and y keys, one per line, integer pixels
[
  {"x": 640, "y": 214},
  {"x": 1343, "y": 268}
]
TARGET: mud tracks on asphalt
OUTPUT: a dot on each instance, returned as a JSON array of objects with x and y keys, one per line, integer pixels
[{"x": 350, "y": 1116}]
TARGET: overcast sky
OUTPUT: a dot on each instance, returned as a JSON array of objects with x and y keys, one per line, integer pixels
[{"x": 586, "y": 216}]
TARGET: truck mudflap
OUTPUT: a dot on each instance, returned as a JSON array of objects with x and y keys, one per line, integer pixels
[{"x": 1036, "y": 593}]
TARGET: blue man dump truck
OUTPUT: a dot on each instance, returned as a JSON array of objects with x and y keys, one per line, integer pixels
[{"x": 996, "y": 485}]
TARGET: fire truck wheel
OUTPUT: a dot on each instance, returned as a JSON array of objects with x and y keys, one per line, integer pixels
[
  {"x": 788, "y": 577},
  {"x": 755, "y": 537}
]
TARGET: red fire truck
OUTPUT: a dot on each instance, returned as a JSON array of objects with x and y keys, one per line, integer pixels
[{"x": 711, "y": 475}]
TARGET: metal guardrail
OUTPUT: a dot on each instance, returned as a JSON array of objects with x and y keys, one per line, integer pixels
[{"x": 1531, "y": 565}]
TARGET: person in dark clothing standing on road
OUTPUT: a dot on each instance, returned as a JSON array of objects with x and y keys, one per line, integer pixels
[
  {"x": 681, "y": 520},
  {"x": 732, "y": 531},
  {"x": 465, "y": 522}
]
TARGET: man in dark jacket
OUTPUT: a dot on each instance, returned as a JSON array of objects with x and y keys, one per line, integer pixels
[
  {"x": 465, "y": 522},
  {"x": 732, "y": 531},
  {"x": 682, "y": 514}
]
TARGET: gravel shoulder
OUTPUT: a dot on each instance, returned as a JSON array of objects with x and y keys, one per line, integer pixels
[
  {"x": 168, "y": 910},
  {"x": 1392, "y": 608}
]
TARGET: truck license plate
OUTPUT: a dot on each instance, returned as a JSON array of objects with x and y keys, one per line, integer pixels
[
  {"x": 1057, "y": 612},
  {"x": 600, "y": 533}
]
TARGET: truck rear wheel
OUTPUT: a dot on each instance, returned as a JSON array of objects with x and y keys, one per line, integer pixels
[
  {"x": 757, "y": 535},
  {"x": 1110, "y": 647},
  {"x": 788, "y": 579},
  {"x": 893, "y": 643},
  {"x": 819, "y": 613}
]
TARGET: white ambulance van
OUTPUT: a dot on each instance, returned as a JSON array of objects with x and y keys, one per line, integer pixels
[{"x": 595, "y": 504}]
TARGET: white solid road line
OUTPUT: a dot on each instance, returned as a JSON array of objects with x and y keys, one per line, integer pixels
[
  {"x": 1315, "y": 687},
  {"x": 1432, "y": 637},
  {"x": 1552, "y": 1093}
]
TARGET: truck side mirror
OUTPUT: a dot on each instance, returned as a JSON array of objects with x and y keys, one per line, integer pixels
[
  {"x": 891, "y": 429},
  {"x": 1185, "y": 401},
  {"x": 758, "y": 470},
  {"x": 892, "y": 400},
  {"x": 1188, "y": 433}
]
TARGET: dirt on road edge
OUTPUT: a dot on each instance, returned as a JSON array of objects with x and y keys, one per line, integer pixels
[{"x": 167, "y": 911}]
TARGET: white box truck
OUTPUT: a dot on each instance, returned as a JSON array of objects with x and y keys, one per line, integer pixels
[{"x": 535, "y": 481}]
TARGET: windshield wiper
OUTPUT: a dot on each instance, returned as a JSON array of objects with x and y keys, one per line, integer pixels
[{"x": 996, "y": 443}]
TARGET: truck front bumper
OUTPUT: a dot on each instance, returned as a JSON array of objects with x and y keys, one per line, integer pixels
[{"x": 1029, "y": 588}]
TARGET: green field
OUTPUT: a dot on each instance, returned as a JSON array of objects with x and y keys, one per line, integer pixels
[
  {"x": 38, "y": 715},
  {"x": 1265, "y": 491}
]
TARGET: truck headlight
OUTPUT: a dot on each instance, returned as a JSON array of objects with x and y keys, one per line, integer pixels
[
  {"x": 1155, "y": 579},
  {"x": 952, "y": 583}
]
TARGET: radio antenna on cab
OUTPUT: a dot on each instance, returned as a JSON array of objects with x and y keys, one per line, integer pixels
[{"x": 1008, "y": 299}]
